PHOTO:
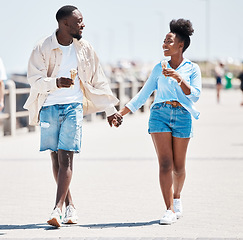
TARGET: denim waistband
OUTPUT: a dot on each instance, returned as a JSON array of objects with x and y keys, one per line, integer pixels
[{"x": 164, "y": 104}]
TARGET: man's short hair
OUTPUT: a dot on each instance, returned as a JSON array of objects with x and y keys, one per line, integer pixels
[{"x": 64, "y": 12}]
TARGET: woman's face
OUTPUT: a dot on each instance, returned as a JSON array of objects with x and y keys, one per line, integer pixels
[{"x": 172, "y": 45}]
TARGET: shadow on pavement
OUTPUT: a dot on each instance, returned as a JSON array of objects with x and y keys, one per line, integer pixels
[
  {"x": 47, "y": 227},
  {"x": 27, "y": 226},
  {"x": 119, "y": 225}
]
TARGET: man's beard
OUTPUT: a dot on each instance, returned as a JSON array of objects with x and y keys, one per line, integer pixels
[{"x": 76, "y": 36}]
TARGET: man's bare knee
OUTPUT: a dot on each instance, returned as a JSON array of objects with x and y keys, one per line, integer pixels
[{"x": 65, "y": 158}]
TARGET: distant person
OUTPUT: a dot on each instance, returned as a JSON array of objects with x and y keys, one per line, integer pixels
[
  {"x": 241, "y": 85},
  {"x": 57, "y": 100},
  {"x": 219, "y": 74},
  {"x": 3, "y": 77},
  {"x": 178, "y": 86}
]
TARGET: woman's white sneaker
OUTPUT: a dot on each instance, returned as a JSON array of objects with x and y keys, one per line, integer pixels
[
  {"x": 168, "y": 218},
  {"x": 177, "y": 207},
  {"x": 71, "y": 216},
  {"x": 55, "y": 218}
]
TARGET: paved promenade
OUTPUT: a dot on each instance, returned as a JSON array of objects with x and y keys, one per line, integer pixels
[{"x": 115, "y": 182}]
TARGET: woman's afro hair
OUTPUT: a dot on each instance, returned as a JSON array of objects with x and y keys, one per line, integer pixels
[{"x": 183, "y": 29}]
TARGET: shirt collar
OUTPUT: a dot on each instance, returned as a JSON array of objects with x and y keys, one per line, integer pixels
[
  {"x": 184, "y": 61},
  {"x": 55, "y": 44}
]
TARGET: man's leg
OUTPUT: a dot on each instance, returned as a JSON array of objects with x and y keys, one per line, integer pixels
[
  {"x": 69, "y": 137},
  {"x": 65, "y": 161},
  {"x": 55, "y": 168}
]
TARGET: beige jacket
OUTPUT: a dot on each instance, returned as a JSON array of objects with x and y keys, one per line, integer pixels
[{"x": 43, "y": 67}]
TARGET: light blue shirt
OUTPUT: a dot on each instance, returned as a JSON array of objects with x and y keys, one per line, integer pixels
[{"x": 167, "y": 88}]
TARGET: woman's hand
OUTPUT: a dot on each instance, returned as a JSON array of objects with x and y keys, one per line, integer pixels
[
  {"x": 170, "y": 72},
  {"x": 122, "y": 112},
  {"x": 115, "y": 119}
]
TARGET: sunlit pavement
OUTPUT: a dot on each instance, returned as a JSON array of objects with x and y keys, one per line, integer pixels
[{"x": 115, "y": 181}]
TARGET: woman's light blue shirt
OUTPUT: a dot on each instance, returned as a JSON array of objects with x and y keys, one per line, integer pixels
[{"x": 167, "y": 88}]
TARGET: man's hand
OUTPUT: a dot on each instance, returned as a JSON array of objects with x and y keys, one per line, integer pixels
[
  {"x": 115, "y": 119},
  {"x": 63, "y": 82}
]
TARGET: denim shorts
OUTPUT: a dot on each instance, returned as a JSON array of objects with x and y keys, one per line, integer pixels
[
  {"x": 61, "y": 127},
  {"x": 166, "y": 118}
]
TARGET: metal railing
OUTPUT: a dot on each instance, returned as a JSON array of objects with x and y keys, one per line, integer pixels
[{"x": 124, "y": 91}]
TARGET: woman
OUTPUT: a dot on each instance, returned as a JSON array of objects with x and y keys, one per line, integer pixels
[
  {"x": 219, "y": 74},
  {"x": 170, "y": 124}
]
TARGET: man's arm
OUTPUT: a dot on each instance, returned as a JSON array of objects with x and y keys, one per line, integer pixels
[{"x": 1, "y": 95}]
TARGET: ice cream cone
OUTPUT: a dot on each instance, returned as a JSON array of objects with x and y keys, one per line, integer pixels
[
  {"x": 73, "y": 73},
  {"x": 164, "y": 65}
]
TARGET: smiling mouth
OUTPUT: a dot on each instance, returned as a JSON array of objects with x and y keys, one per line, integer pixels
[{"x": 165, "y": 50}]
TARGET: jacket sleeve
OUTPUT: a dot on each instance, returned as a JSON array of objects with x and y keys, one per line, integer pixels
[
  {"x": 195, "y": 83},
  {"x": 37, "y": 73},
  {"x": 100, "y": 82}
]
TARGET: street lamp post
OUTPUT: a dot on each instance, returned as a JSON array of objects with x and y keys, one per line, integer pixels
[{"x": 207, "y": 36}]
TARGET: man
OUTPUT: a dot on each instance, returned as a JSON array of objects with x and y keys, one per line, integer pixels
[
  {"x": 2, "y": 78},
  {"x": 57, "y": 102}
]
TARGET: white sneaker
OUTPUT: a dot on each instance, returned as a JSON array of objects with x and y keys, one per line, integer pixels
[
  {"x": 55, "y": 218},
  {"x": 177, "y": 207},
  {"x": 71, "y": 216},
  {"x": 168, "y": 218}
]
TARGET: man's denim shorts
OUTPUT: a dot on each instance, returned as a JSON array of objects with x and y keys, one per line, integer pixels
[
  {"x": 166, "y": 118},
  {"x": 61, "y": 127}
]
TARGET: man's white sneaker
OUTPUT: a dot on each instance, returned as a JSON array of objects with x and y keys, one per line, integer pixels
[
  {"x": 168, "y": 218},
  {"x": 55, "y": 218},
  {"x": 71, "y": 216},
  {"x": 177, "y": 207}
]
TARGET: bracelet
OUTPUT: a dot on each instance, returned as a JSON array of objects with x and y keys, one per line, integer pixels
[{"x": 179, "y": 83}]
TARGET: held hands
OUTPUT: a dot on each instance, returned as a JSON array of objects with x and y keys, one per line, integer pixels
[
  {"x": 63, "y": 82},
  {"x": 115, "y": 119}
]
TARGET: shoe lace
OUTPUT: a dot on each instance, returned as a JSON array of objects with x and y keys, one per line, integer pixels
[
  {"x": 69, "y": 211},
  {"x": 167, "y": 214},
  {"x": 177, "y": 205}
]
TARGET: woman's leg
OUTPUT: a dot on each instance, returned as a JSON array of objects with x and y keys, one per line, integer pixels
[
  {"x": 219, "y": 87},
  {"x": 163, "y": 146},
  {"x": 179, "y": 159}
]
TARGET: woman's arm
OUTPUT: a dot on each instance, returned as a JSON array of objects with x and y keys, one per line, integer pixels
[
  {"x": 140, "y": 98},
  {"x": 124, "y": 111}
]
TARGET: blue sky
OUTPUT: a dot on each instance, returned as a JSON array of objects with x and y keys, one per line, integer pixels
[{"x": 127, "y": 29}]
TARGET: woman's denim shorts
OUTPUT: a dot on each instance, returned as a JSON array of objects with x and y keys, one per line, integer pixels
[
  {"x": 61, "y": 127},
  {"x": 166, "y": 118}
]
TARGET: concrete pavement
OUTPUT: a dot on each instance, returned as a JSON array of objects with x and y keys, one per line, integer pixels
[{"x": 115, "y": 183}]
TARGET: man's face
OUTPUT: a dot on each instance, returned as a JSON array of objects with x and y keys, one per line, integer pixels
[{"x": 76, "y": 25}]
